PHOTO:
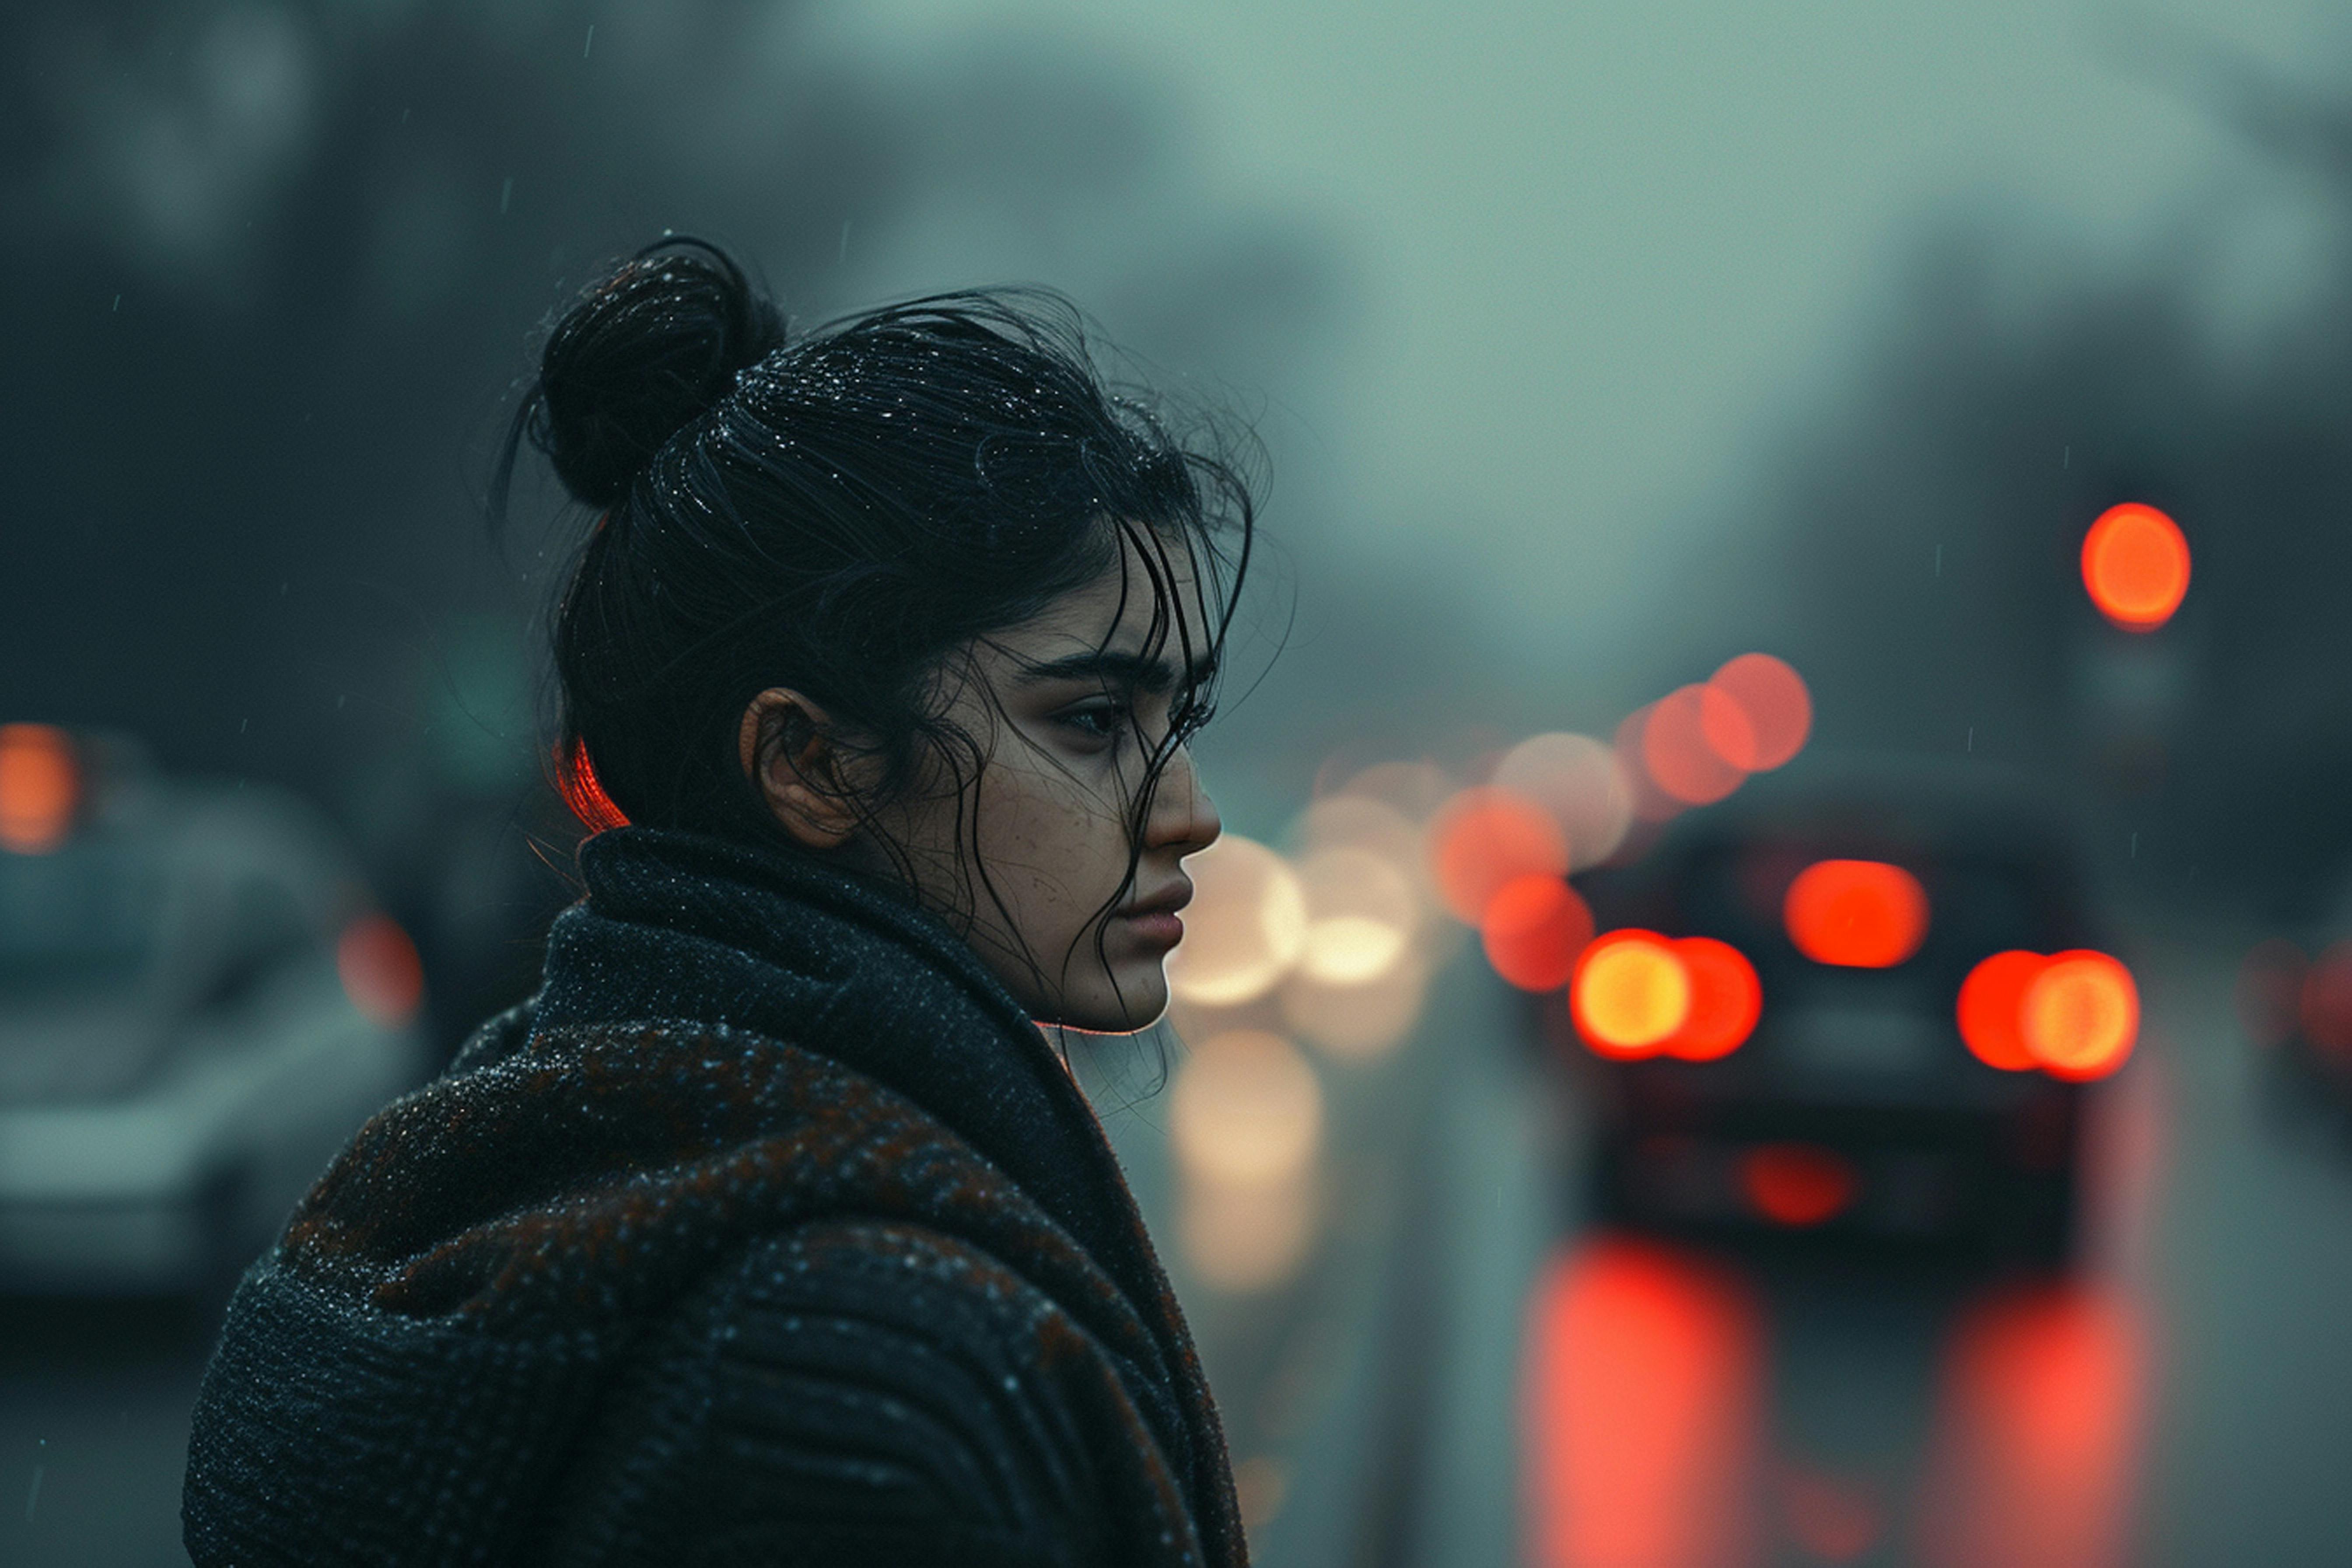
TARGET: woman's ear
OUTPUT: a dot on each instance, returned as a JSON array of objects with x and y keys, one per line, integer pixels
[{"x": 787, "y": 746}]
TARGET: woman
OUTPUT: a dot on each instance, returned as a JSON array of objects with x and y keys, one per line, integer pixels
[{"x": 773, "y": 1230}]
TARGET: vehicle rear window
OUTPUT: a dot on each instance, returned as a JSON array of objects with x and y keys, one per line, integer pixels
[{"x": 83, "y": 917}]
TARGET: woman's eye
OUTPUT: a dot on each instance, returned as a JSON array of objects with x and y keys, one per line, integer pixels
[{"x": 1101, "y": 721}]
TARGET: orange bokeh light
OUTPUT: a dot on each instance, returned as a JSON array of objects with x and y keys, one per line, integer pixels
[
  {"x": 1764, "y": 715},
  {"x": 2081, "y": 1015},
  {"x": 1676, "y": 752},
  {"x": 1533, "y": 931},
  {"x": 1992, "y": 1009},
  {"x": 1631, "y": 992},
  {"x": 1726, "y": 1000},
  {"x": 1857, "y": 914},
  {"x": 380, "y": 969},
  {"x": 1797, "y": 1184},
  {"x": 2136, "y": 565},
  {"x": 1484, "y": 838},
  {"x": 40, "y": 786},
  {"x": 2325, "y": 1005}
]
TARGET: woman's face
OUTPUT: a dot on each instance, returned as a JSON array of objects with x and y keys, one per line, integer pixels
[{"x": 1065, "y": 711}]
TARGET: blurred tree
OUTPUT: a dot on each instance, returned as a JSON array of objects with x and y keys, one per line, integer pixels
[
  {"x": 273, "y": 271},
  {"x": 1923, "y": 565}
]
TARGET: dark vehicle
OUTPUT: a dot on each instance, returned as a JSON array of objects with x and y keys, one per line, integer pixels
[{"x": 1862, "y": 1005}]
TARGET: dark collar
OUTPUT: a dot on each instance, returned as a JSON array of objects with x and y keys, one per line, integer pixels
[{"x": 685, "y": 927}]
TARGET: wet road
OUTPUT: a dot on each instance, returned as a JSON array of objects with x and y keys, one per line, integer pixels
[
  {"x": 1475, "y": 1380},
  {"x": 2183, "y": 1397}
]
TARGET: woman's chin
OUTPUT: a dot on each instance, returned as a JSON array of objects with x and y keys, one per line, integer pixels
[{"x": 1136, "y": 1004}]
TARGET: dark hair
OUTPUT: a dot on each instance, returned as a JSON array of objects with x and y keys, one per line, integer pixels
[{"x": 837, "y": 512}]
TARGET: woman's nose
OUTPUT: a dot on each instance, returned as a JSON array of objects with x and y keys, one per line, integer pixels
[{"x": 1183, "y": 817}]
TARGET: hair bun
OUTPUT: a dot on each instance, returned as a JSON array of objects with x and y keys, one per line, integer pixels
[{"x": 640, "y": 356}]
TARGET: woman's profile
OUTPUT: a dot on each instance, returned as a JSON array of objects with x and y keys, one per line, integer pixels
[{"x": 773, "y": 1229}]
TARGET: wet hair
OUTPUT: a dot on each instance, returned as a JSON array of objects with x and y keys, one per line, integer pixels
[{"x": 840, "y": 511}]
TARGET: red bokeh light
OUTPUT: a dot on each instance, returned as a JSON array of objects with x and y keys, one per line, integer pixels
[
  {"x": 40, "y": 787},
  {"x": 1834, "y": 1517},
  {"x": 380, "y": 969},
  {"x": 1992, "y": 1009},
  {"x": 1533, "y": 931},
  {"x": 2324, "y": 1008},
  {"x": 2136, "y": 565},
  {"x": 1775, "y": 712},
  {"x": 2271, "y": 980},
  {"x": 1644, "y": 1405},
  {"x": 1676, "y": 750},
  {"x": 1484, "y": 838},
  {"x": 1726, "y": 1000},
  {"x": 1651, "y": 803},
  {"x": 2036, "y": 1435},
  {"x": 1630, "y": 994},
  {"x": 1797, "y": 1184},
  {"x": 2079, "y": 1017},
  {"x": 1859, "y": 914}
]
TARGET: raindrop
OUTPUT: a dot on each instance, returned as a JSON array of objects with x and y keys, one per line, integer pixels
[
  {"x": 506, "y": 195},
  {"x": 591, "y": 42},
  {"x": 118, "y": 301}
]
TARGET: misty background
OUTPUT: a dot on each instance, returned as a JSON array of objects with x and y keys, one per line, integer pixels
[{"x": 1588, "y": 346}]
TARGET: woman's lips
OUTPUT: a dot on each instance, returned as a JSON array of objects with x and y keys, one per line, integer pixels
[{"x": 1162, "y": 928}]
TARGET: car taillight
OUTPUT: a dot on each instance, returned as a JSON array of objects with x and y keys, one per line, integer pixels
[
  {"x": 2081, "y": 1015},
  {"x": 40, "y": 787},
  {"x": 1857, "y": 914},
  {"x": 2323, "y": 1003},
  {"x": 1992, "y": 1009},
  {"x": 2074, "y": 1014},
  {"x": 380, "y": 969},
  {"x": 1630, "y": 992},
  {"x": 1797, "y": 1184},
  {"x": 1636, "y": 993},
  {"x": 1726, "y": 1000}
]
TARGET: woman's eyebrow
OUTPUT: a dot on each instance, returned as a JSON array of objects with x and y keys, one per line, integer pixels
[{"x": 1105, "y": 667}]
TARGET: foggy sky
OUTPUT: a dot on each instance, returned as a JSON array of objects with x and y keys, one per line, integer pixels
[{"x": 1604, "y": 257}]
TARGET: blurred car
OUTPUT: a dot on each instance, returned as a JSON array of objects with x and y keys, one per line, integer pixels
[
  {"x": 1864, "y": 1005},
  {"x": 2295, "y": 1000},
  {"x": 196, "y": 1010}
]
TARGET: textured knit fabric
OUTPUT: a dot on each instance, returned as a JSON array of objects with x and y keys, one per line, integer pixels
[{"x": 771, "y": 1232}]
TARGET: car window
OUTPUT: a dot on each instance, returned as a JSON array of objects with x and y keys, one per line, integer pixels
[{"x": 80, "y": 919}]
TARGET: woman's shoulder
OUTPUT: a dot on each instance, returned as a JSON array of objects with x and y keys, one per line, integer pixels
[{"x": 889, "y": 1387}]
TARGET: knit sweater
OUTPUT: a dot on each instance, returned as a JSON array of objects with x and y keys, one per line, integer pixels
[{"x": 770, "y": 1231}]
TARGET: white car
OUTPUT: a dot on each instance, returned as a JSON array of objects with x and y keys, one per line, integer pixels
[{"x": 197, "y": 1009}]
